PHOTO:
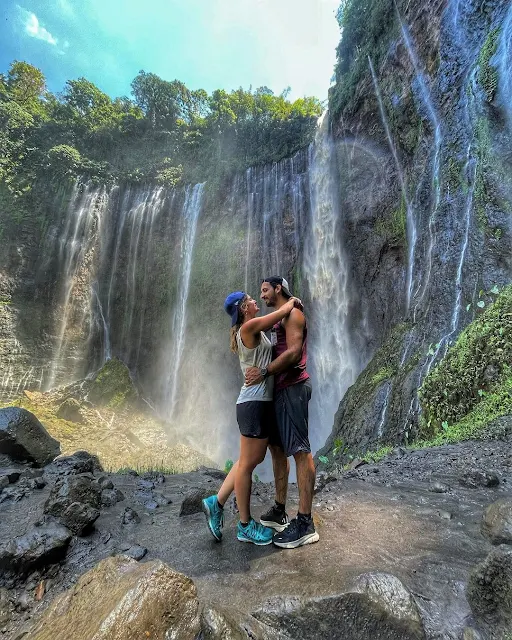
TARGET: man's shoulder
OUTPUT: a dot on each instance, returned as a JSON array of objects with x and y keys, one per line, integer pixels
[{"x": 296, "y": 317}]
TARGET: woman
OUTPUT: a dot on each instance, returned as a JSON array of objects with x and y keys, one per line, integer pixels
[{"x": 254, "y": 413}]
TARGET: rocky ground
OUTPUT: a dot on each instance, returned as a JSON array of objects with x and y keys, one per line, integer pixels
[{"x": 417, "y": 546}]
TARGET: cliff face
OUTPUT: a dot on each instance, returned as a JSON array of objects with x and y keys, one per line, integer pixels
[{"x": 425, "y": 178}]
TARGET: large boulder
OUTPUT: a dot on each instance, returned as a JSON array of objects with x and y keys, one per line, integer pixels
[
  {"x": 122, "y": 599},
  {"x": 497, "y": 522},
  {"x": 111, "y": 386},
  {"x": 489, "y": 592},
  {"x": 23, "y": 437},
  {"x": 41, "y": 545},
  {"x": 193, "y": 502},
  {"x": 379, "y": 606},
  {"x": 75, "y": 501},
  {"x": 229, "y": 624}
]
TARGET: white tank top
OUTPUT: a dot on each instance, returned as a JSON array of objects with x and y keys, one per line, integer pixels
[{"x": 260, "y": 357}]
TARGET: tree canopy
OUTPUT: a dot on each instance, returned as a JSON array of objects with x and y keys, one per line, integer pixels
[{"x": 164, "y": 132}]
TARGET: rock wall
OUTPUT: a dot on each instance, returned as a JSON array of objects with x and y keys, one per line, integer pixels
[{"x": 425, "y": 185}]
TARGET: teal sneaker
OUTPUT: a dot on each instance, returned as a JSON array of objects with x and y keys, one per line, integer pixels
[
  {"x": 214, "y": 516},
  {"x": 254, "y": 532}
]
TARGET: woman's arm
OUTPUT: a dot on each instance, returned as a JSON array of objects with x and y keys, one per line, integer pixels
[{"x": 264, "y": 323}]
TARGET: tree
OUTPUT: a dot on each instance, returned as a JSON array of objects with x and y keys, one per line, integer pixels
[
  {"x": 163, "y": 103},
  {"x": 26, "y": 85}
]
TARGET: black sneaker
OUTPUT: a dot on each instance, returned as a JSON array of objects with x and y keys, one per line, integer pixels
[
  {"x": 275, "y": 518},
  {"x": 299, "y": 532}
]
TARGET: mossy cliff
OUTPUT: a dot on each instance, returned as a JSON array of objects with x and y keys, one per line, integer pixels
[{"x": 426, "y": 184}]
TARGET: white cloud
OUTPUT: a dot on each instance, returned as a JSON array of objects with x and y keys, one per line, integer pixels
[{"x": 34, "y": 29}]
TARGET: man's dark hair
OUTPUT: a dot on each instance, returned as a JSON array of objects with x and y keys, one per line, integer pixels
[{"x": 274, "y": 281}]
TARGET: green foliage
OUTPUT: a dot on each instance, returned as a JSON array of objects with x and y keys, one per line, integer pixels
[
  {"x": 367, "y": 27},
  {"x": 488, "y": 73},
  {"x": 382, "y": 374},
  {"x": 473, "y": 370},
  {"x": 112, "y": 386},
  {"x": 482, "y": 421},
  {"x": 228, "y": 466},
  {"x": 64, "y": 160},
  {"x": 394, "y": 228},
  {"x": 375, "y": 456},
  {"x": 167, "y": 135}
]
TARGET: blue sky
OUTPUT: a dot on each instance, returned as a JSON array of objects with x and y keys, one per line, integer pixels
[{"x": 207, "y": 44}]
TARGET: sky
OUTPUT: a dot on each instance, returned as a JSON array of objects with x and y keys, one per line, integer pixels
[{"x": 208, "y": 44}]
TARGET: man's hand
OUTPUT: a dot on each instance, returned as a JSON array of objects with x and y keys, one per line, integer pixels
[{"x": 253, "y": 376}]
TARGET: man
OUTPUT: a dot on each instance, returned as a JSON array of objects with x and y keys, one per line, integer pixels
[{"x": 292, "y": 391}]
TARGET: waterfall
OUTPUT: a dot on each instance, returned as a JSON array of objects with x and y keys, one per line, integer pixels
[
  {"x": 425, "y": 98},
  {"x": 75, "y": 244},
  {"x": 332, "y": 361},
  {"x": 411, "y": 224},
  {"x": 191, "y": 210},
  {"x": 503, "y": 58}
]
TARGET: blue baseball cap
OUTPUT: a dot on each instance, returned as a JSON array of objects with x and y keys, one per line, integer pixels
[{"x": 231, "y": 304}]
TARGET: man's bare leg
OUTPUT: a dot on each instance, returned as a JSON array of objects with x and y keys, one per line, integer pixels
[
  {"x": 305, "y": 480},
  {"x": 281, "y": 467}
]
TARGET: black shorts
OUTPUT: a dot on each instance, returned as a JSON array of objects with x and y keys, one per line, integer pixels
[
  {"x": 256, "y": 419},
  {"x": 291, "y": 409}
]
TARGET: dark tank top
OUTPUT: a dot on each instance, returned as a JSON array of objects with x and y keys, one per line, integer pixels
[{"x": 295, "y": 374}]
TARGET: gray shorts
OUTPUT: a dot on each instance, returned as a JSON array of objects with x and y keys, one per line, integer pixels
[{"x": 291, "y": 407}]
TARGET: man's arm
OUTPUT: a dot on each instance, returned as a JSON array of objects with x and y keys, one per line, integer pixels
[{"x": 294, "y": 327}]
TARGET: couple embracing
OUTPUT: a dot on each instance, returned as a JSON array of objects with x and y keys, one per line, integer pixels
[{"x": 272, "y": 411}]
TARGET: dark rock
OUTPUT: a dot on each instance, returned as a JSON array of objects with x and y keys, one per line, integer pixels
[
  {"x": 153, "y": 476},
  {"x": 79, "y": 462},
  {"x": 136, "y": 552},
  {"x": 479, "y": 478},
  {"x": 489, "y": 592},
  {"x": 161, "y": 500},
  {"x": 192, "y": 503},
  {"x": 497, "y": 522},
  {"x": 146, "y": 485},
  {"x": 130, "y": 516},
  {"x": 4, "y": 482},
  {"x": 79, "y": 517},
  {"x": 119, "y": 495},
  {"x": 23, "y": 437},
  {"x": 70, "y": 410},
  {"x": 105, "y": 482},
  {"x": 356, "y": 463},
  {"x": 13, "y": 475},
  {"x": 216, "y": 474},
  {"x": 41, "y": 545},
  {"x": 396, "y": 453},
  {"x": 75, "y": 500},
  {"x": 72, "y": 489},
  {"x": 32, "y": 473},
  {"x": 322, "y": 480},
  {"x": 108, "y": 497},
  {"x": 439, "y": 487},
  {"x": 6, "y": 607},
  {"x": 378, "y": 607}
]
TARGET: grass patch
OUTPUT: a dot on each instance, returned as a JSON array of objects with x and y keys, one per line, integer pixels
[
  {"x": 149, "y": 467},
  {"x": 376, "y": 456}
]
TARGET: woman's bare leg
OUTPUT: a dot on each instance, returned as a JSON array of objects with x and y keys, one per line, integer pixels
[
  {"x": 252, "y": 452},
  {"x": 228, "y": 486}
]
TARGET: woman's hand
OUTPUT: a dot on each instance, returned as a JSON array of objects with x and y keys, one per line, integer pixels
[{"x": 294, "y": 303}]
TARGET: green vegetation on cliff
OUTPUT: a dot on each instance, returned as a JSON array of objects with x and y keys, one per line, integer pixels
[
  {"x": 472, "y": 386},
  {"x": 167, "y": 134},
  {"x": 367, "y": 26},
  {"x": 487, "y": 73}
]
